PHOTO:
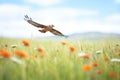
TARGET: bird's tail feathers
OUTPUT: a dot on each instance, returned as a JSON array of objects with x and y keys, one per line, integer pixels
[{"x": 66, "y": 36}]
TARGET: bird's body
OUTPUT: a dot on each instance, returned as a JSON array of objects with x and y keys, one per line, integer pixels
[{"x": 45, "y": 27}]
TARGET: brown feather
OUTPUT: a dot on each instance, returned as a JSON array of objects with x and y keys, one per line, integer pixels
[
  {"x": 36, "y": 24},
  {"x": 29, "y": 20},
  {"x": 56, "y": 32}
]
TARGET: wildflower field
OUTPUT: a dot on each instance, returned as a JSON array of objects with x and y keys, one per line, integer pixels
[{"x": 59, "y": 59}]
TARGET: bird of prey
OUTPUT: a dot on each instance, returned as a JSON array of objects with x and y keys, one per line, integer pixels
[{"x": 45, "y": 27}]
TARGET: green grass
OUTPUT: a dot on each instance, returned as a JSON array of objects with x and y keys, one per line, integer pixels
[{"x": 59, "y": 63}]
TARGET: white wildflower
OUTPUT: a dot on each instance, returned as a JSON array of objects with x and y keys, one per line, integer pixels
[
  {"x": 14, "y": 46},
  {"x": 115, "y": 60},
  {"x": 14, "y": 59},
  {"x": 81, "y": 54},
  {"x": 99, "y": 52}
]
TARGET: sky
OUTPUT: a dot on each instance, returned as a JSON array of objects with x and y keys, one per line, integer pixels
[{"x": 68, "y": 16}]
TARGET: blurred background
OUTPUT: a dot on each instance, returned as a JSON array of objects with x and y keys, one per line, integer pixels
[{"x": 68, "y": 16}]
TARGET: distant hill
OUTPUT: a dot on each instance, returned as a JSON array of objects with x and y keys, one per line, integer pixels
[
  {"x": 87, "y": 35},
  {"x": 93, "y": 35}
]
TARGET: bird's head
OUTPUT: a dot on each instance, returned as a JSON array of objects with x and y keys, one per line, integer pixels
[{"x": 51, "y": 25}]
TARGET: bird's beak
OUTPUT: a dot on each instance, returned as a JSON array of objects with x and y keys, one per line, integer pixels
[{"x": 52, "y": 25}]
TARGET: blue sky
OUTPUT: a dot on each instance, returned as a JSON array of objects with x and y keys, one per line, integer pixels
[{"x": 68, "y": 16}]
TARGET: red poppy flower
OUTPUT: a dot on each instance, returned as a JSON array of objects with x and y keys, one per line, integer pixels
[
  {"x": 21, "y": 54},
  {"x": 87, "y": 68},
  {"x": 5, "y": 54},
  {"x": 63, "y": 43},
  {"x": 106, "y": 59},
  {"x": 95, "y": 64},
  {"x": 26, "y": 43},
  {"x": 86, "y": 56},
  {"x": 98, "y": 71},
  {"x": 40, "y": 49},
  {"x": 71, "y": 48},
  {"x": 112, "y": 75}
]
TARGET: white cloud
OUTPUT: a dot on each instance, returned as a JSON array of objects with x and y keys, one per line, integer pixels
[
  {"x": 114, "y": 18},
  {"x": 11, "y": 20},
  {"x": 9, "y": 12},
  {"x": 118, "y": 1},
  {"x": 60, "y": 15},
  {"x": 89, "y": 25},
  {"x": 44, "y": 2}
]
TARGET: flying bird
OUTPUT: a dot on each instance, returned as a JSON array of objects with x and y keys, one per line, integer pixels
[{"x": 45, "y": 28}]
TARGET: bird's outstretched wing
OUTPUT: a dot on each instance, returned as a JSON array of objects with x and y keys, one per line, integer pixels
[
  {"x": 30, "y": 21},
  {"x": 56, "y": 32}
]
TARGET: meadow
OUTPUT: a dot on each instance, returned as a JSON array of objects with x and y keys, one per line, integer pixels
[{"x": 60, "y": 59}]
